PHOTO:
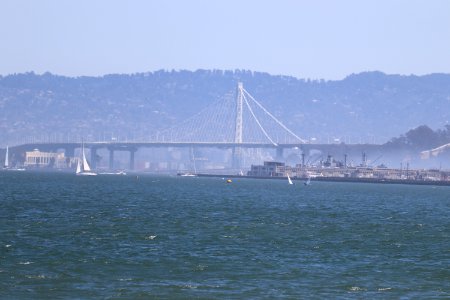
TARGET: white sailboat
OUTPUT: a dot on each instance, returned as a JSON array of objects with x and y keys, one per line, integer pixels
[
  {"x": 308, "y": 182},
  {"x": 187, "y": 175},
  {"x": 6, "y": 165},
  {"x": 289, "y": 180},
  {"x": 83, "y": 167}
]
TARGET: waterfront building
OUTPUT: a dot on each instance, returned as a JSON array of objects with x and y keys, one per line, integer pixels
[
  {"x": 269, "y": 169},
  {"x": 40, "y": 159}
]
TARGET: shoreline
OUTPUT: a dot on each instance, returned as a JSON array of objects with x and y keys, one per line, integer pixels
[{"x": 341, "y": 179}]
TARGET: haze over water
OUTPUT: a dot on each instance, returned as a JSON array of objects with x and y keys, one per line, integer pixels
[{"x": 63, "y": 236}]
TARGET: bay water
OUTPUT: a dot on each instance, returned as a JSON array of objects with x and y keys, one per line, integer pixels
[{"x": 152, "y": 237}]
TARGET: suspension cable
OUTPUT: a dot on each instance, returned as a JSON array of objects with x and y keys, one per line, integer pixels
[
  {"x": 273, "y": 117},
  {"x": 257, "y": 121}
]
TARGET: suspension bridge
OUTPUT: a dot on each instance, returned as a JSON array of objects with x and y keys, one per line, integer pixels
[{"x": 237, "y": 121}]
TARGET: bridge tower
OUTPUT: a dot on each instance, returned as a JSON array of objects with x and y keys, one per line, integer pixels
[
  {"x": 238, "y": 124},
  {"x": 236, "y": 155}
]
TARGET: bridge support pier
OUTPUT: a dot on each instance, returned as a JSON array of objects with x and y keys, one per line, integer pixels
[
  {"x": 93, "y": 158},
  {"x": 111, "y": 158},
  {"x": 279, "y": 155},
  {"x": 132, "y": 152},
  {"x": 236, "y": 158}
]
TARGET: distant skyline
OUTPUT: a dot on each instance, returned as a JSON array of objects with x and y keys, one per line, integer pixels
[{"x": 305, "y": 39}]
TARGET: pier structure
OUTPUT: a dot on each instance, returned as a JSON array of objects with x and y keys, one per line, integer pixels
[{"x": 272, "y": 169}]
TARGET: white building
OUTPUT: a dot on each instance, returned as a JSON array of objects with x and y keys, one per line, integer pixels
[{"x": 38, "y": 159}]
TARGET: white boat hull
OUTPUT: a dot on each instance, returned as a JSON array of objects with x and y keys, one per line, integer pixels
[{"x": 86, "y": 174}]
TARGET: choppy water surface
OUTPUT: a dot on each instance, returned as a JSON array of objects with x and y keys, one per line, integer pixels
[{"x": 63, "y": 236}]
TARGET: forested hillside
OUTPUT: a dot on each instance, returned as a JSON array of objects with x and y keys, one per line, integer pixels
[{"x": 365, "y": 107}]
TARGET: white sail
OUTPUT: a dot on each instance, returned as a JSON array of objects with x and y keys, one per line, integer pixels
[
  {"x": 83, "y": 166},
  {"x": 308, "y": 182},
  {"x": 86, "y": 167},
  {"x": 78, "y": 167},
  {"x": 289, "y": 180},
  {"x": 7, "y": 158}
]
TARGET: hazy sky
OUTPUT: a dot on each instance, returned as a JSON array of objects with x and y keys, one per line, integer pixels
[{"x": 306, "y": 39}]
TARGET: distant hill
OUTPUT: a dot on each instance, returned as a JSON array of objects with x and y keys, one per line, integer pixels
[{"x": 365, "y": 107}]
